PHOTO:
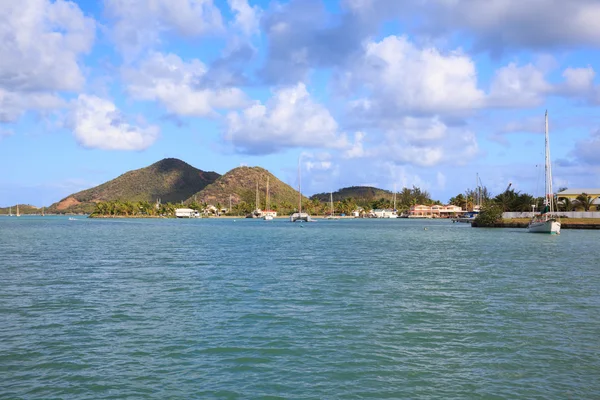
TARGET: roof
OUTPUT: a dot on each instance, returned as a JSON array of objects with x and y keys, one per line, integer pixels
[{"x": 576, "y": 192}]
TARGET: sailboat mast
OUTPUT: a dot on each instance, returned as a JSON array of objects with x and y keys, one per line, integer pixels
[
  {"x": 331, "y": 200},
  {"x": 394, "y": 197},
  {"x": 257, "y": 201},
  {"x": 477, "y": 190},
  {"x": 267, "y": 199},
  {"x": 548, "y": 171},
  {"x": 299, "y": 188}
]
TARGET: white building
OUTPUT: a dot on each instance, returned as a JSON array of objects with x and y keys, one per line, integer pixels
[
  {"x": 385, "y": 213},
  {"x": 186, "y": 213}
]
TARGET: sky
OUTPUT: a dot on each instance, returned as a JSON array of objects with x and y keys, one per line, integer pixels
[{"x": 386, "y": 93}]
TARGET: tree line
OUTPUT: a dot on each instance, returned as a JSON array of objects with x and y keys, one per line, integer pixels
[
  {"x": 510, "y": 200},
  {"x": 514, "y": 201}
]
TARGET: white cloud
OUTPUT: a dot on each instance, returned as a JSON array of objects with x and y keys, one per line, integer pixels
[
  {"x": 356, "y": 149},
  {"x": 97, "y": 123},
  {"x": 179, "y": 86},
  {"x": 425, "y": 142},
  {"x": 494, "y": 25},
  {"x": 42, "y": 43},
  {"x": 403, "y": 79},
  {"x": 289, "y": 119},
  {"x": 14, "y": 104},
  {"x": 579, "y": 79},
  {"x": 588, "y": 150},
  {"x": 514, "y": 86},
  {"x": 247, "y": 18},
  {"x": 139, "y": 23}
]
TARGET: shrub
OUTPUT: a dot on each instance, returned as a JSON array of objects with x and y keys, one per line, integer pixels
[{"x": 490, "y": 214}]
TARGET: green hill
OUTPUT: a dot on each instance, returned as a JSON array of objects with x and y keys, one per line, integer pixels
[
  {"x": 360, "y": 194},
  {"x": 170, "y": 179},
  {"x": 240, "y": 184}
]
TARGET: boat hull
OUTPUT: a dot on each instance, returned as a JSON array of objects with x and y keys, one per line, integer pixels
[{"x": 551, "y": 227}]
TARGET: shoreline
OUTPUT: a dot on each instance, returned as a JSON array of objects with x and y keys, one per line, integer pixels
[{"x": 565, "y": 223}]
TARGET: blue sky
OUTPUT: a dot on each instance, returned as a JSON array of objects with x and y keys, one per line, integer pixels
[{"x": 364, "y": 92}]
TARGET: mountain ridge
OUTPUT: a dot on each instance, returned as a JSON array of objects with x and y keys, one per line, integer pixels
[{"x": 170, "y": 180}]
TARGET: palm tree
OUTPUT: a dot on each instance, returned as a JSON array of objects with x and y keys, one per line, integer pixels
[
  {"x": 585, "y": 201},
  {"x": 566, "y": 204}
]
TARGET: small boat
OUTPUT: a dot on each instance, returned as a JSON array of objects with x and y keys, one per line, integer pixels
[
  {"x": 332, "y": 215},
  {"x": 72, "y": 219},
  {"x": 547, "y": 221},
  {"x": 268, "y": 214},
  {"x": 18, "y": 214},
  {"x": 300, "y": 216}
]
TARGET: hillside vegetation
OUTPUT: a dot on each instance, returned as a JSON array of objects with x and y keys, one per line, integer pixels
[
  {"x": 170, "y": 180},
  {"x": 240, "y": 184},
  {"x": 360, "y": 194}
]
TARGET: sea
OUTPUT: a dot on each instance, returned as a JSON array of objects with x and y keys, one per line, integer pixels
[{"x": 253, "y": 309}]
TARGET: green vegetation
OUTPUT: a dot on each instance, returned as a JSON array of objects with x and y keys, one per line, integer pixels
[
  {"x": 170, "y": 180},
  {"x": 239, "y": 186},
  {"x": 132, "y": 209},
  {"x": 349, "y": 199},
  {"x": 490, "y": 214},
  {"x": 514, "y": 201}
]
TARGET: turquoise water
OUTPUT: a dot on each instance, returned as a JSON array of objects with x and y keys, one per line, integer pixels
[{"x": 348, "y": 309}]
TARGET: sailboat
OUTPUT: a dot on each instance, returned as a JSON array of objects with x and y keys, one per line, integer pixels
[
  {"x": 10, "y": 211},
  {"x": 332, "y": 215},
  {"x": 268, "y": 214},
  {"x": 18, "y": 214},
  {"x": 257, "y": 213},
  {"x": 300, "y": 216},
  {"x": 547, "y": 221},
  {"x": 394, "y": 213}
]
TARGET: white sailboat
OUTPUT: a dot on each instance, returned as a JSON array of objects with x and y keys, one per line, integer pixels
[
  {"x": 268, "y": 214},
  {"x": 332, "y": 214},
  {"x": 257, "y": 213},
  {"x": 18, "y": 214},
  {"x": 547, "y": 221},
  {"x": 10, "y": 211},
  {"x": 300, "y": 216}
]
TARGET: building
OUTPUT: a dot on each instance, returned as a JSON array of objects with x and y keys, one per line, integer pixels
[
  {"x": 572, "y": 194},
  {"x": 186, "y": 213},
  {"x": 434, "y": 211},
  {"x": 385, "y": 213}
]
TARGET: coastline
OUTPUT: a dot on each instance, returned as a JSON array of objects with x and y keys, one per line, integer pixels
[{"x": 565, "y": 223}]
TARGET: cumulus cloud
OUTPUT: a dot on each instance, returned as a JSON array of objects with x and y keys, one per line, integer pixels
[
  {"x": 139, "y": 23},
  {"x": 426, "y": 142},
  {"x": 97, "y": 123},
  {"x": 495, "y": 25},
  {"x": 579, "y": 84},
  {"x": 42, "y": 43},
  {"x": 247, "y": 17},
  {"x": 181, "y": 87},
  {"x": 401, "y": 79},
  {"x": 289, "y": 119},
  {"x": 514, "y": 86},
  {"x": 302, "y": 35},
  {"x": 588, "y": 151}
]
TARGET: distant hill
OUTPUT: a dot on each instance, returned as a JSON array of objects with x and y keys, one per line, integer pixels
[
  {"x": 240, "y": 183},
  {"x": 170, "y": 179},
  {"x": 360, "y": 194}
]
